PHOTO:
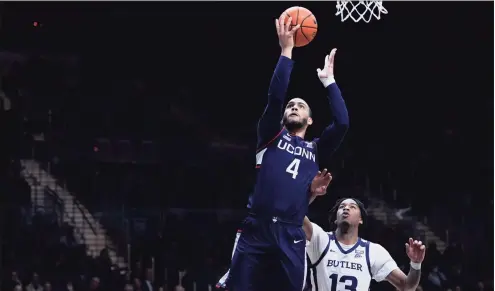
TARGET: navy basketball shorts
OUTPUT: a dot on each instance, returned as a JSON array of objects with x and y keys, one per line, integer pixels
[
  {"x": 270, "y": 255},
  {"x": 222, "y": 282}
]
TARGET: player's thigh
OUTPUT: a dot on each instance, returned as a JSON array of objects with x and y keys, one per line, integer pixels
[
  {"x": 248, "y": 272},
  {"x": 293, "y": 259}
]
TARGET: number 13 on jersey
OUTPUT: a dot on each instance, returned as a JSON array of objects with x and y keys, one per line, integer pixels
[
  {"x": 350, "y": 282},
  {"x": 293, "y": 167}
]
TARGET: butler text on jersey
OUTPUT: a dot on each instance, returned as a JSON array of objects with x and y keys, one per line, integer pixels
[{"x": 345, "y": 265}]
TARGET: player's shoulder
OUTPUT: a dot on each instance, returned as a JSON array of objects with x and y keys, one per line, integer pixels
[
  {"x": 319, "y": 234},
  {"x": 318, "y": 229},
  {"x": 375, "y": 248},
  {"x": 381, "y": 262},
  {"x": 264, "y": 143},
  {"x": 311, "y": 144},
  {"x": 314, "y": 141}
]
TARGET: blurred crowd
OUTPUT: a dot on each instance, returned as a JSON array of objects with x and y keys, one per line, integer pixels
[
  {"x": 182, "y": 222},
  {"x": 181, "y": 249}
]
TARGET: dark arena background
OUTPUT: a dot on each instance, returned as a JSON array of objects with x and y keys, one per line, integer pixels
[{"x": 128, "y": 135}]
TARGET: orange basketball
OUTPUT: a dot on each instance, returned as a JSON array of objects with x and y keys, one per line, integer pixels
[{"x": 302, "y": 16}]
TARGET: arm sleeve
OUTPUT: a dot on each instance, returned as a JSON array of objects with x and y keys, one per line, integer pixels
[
  {"x": 269, "y": 125},
  {"x": 317, "y": 244},
  {"x": 382, "y": 263},
  {"x": 333, "y": 134}
]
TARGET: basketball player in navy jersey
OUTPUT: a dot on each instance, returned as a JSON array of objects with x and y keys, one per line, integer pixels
[
  {"x": 318, "y": 188},
  {"x": 340, "y": 260},
  {"x": 270, "y": 253}
]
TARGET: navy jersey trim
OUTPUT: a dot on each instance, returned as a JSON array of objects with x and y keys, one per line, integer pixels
[
  {"x": 313, "y": 273},
  {"x": 272, "y": 140},
  {"x": 358, "y": 243},
  {"x": 308, "y": 286},
  {"x": 315, "y": 278},
  {"x": 368, "y": 262}
]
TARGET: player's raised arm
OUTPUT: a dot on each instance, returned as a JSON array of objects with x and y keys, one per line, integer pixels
[
  {"x": 416, "y": 252},
  {"x": 270, "y": 122},
  {"x": 333, "y": 134},
  {"x": 307, "y": 228},
  {"x": 319, "y": 187}
]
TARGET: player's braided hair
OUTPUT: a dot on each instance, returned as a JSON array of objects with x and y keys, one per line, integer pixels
[{"x": 332, "y": 215}]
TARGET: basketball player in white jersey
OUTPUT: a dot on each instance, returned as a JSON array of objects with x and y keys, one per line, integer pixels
[{"x": 340, "y": 260}]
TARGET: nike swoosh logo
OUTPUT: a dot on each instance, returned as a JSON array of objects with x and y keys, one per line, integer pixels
[{"x": 297, "y": 241}]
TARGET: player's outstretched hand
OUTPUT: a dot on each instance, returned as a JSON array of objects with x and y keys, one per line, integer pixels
[
  {"x": 285, "y": 32},
  {"x": 415, "y": 251},
  {"x": 320, "y": 183},
  {"x": 326, "y": 75}
]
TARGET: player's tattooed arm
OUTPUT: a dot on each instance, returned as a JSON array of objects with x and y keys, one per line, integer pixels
[
  {"x": 412, "y": 280},
  {"x": 403, "y": 282}
]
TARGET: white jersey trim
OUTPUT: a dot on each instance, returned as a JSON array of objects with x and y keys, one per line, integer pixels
[
  {"x": 222, "y": 283},
  {"x": 259, "y": 157}
]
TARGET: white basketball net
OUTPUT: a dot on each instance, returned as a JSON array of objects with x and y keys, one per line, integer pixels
[{"x": 360, "y": 10}]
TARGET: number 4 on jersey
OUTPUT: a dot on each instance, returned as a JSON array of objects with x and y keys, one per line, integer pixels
[{"x": 293, "y": 167}]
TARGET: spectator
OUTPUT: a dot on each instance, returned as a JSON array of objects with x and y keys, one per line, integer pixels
[
  {"x": 179, "y": 286},
  {"x": 14, "y": 280},
  {"x": 69, "y": 286},
  {"x": 94, "y": 285},
  {"x": 437, "y": 278},
  {"x": 453, "y": 253},
  {"x": 137, "y": 284},
  {"x": 434, "y": 256},
  {"x": 148, "y": 280},
  {"x": 456, "y": 275},
  {"x": 48, "y": 287},
  {"x": 35, "y": 284}
]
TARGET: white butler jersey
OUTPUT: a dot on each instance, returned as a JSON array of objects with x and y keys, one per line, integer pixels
[{"x": 338, "y": 267}]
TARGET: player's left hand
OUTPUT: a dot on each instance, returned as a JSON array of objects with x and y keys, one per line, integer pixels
[
  {"x": 415, "y": 251},
  {"x": 320, "y": 183},
  {"x": 326, "y": 74}
]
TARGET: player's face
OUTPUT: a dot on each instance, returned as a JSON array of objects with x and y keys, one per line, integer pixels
[
  {"x": 296, "y": 115},
  {"x": 349, "y": 212}
]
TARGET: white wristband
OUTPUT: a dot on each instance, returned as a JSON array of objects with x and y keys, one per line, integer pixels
[
  {"x": 416, "y": 266},
  {"x": 327, "y": 81}
]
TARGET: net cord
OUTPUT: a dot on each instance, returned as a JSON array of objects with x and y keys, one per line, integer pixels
[{"x": 350, "y": 9}]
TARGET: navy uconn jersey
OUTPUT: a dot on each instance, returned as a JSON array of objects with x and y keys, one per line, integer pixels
[
  {"x": 286, "y": 167},
  {"x": 287, "y": 164},
  {"x": 337, "y": 267}
]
